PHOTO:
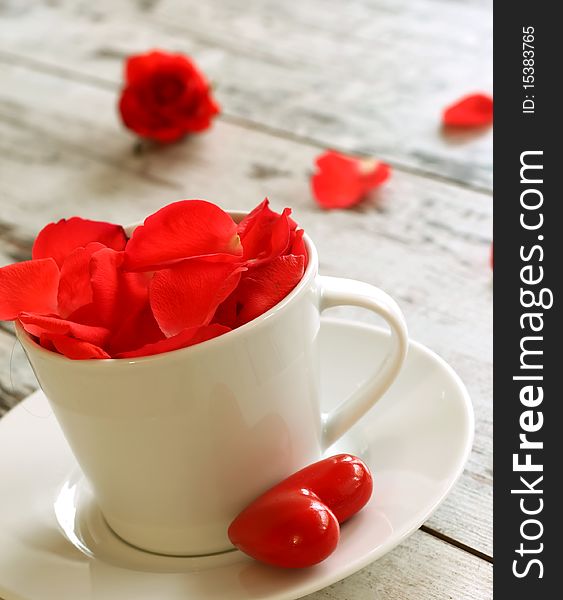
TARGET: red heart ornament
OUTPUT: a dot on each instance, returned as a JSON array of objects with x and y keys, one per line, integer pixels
[
  {"x": 296, "y": 522},
  {"x": 292, "y": 528}
]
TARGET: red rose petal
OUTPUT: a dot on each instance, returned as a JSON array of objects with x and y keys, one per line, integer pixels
[
  {"x": 297, "y": 245},
  {"x": 263, "y": 287},
  {"x": 136, "y": 329},
  {"x": 184, "y": 229},
  {"x": 475, "y": 110},
  {"x": 378, "y": 175},
  {"x": 342, "y": 181},
  {"x": 87, "y": 315},
  {"x": 137, "y": 117},
  {"x": 227, "y": 312},
  {"x": 141, "y": 66},
  {"x": 106, "y": 278},
  {"x": 265, "y": 234},
  {"x": 75, "y": 289},
  {"x": 40, "y": 324},
  {"x": 200, "y": 119},
  {"x": 266, "y": 242},
  {"x": 28, "y": 286},
  {"x": 337, "y": 183},
  {"x": 58, "y": 240},
  {"x": 137, "y": 67},
  {"x": 187, "y": 337},
  {"x": 119, "y": 303},
  {"x": 250, "y": 219},
  {"x": 45, "y": 342},
  {"x": 75, "y": 349},
  {"x": 188, "y": 294},
  {"x": 116, "y": 294},
  {"x": 262, "y": 216}
]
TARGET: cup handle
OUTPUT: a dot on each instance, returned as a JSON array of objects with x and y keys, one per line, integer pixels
[{"x": 335, "y": 291}]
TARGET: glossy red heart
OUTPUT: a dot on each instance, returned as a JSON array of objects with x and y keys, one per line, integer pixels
[{"x": 296, "y": 522}]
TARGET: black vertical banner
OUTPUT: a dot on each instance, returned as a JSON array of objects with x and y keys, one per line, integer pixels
[{"x": 528, "y": 269}]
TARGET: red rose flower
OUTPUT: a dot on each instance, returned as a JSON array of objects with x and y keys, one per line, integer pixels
[
  {"x": 475, "y": 110},
  {"x": 343, "y": 181},
  {"x": 188, "y": 274},
  {"x": 165, "y": 97}
]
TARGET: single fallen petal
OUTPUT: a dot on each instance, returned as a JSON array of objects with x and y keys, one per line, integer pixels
[
  {"x": 188, "y": 294},
  {"x": 75, "y": 289},
  {"x": 374, "y": 173},
  {"x": 58, "y": 240},
  {"x": 343, "y": 181},
  {"x": 475, "y": 110},
  {"x": 336, "y": 183},
  {"x": 75, "y": 349},
  {"x": 184, "y": 229},
  {"x": 263, "y": 287},
  {"x": 187, "y": 337},
  {"x": 41, "y": 324},
  {"x": 28, "y": 286}
]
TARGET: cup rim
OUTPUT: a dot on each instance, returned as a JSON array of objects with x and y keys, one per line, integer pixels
[{"x": 310, "y": 272}]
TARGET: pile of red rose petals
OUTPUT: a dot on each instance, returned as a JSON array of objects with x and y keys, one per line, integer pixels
[
  {"x": 188, "y": 274},
  {"x": 343, "y": 181}
]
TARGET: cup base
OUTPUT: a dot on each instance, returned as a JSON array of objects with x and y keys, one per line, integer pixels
[
  {"x": 82, "y": 523},
  {"x": 166, "y": 554}
]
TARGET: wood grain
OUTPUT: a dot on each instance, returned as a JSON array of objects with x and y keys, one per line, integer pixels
[
  {"x": 422, "y": 568},
  {"x": 365, "y": 76},
  {"x": 424, "y": 241}
]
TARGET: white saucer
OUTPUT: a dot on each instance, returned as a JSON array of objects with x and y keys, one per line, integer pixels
[{"x": 55, "y": 545}]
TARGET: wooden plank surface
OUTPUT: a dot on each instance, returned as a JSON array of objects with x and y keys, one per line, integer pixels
[
  {"x": 422, "y": 568},
  {"x": 370, "y": 76},
  {"x": 424, "y": 241}
]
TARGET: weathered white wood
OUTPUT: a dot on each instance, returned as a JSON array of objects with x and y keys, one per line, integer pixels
[
  {"x": 422, "y": 568},
  {"x": 368, "y": 76},
  {"x": 424, "y": 241}
]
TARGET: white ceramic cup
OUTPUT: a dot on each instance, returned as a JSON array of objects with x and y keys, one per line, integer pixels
[{"x": 176, "y": 444}]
